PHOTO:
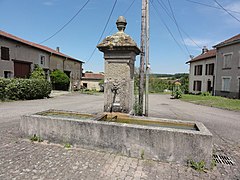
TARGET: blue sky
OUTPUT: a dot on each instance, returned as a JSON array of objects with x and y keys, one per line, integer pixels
[{"x": 36, "y": 20}]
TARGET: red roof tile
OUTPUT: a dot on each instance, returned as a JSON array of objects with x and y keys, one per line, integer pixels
[
  {"x": 93, "y": 76},
  {"x": 210, "y": 54},
  {"x": 229, "y": 41},
  {"x": 38, "y": 46}
]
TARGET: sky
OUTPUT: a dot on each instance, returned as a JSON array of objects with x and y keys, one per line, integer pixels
[{"x": 37, "y": 20}]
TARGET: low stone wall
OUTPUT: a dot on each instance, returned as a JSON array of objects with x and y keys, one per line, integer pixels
[{"x": 158, "y": 143}]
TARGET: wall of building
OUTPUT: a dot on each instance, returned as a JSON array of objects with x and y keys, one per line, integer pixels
[
  {"x": 92, "y": 84},
  {"x": 233, "y": 72},
  {"x": 56, "y": 62},
  {"x": 20, "y": 52},
  {"x": 203, "y": 78},
  {"x": 70, "y": 67},
  {"x": 76, "y": 72}
]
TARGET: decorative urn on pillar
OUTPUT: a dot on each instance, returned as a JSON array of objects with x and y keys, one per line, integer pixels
[{"x": 120, "y": 52}]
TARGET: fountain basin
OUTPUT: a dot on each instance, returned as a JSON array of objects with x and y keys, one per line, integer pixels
[{"x": 148, "y": 138}]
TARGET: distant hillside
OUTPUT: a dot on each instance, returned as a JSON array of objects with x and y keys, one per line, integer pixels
[{"x": 170, "y": 76}]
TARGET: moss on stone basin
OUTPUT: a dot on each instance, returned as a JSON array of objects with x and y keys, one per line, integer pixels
[
  {"x": 66, "y": 114},
  {"x": 152, "y": 122}
]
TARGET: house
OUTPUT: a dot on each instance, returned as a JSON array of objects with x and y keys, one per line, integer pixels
[
  {"x": 227, "y": 82},
  {"x": 202, "y": 72},
  {"x": 91, "y": 81},
  {"x": 18, "y": 57}
]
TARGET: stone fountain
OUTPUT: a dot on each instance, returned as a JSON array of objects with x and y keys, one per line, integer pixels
[{"x": 120, "y": 52}]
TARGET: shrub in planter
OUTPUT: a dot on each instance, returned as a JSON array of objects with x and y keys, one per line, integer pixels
[
  {"x": 60, "y": 80},
  {"x": 16, "y": 89}
]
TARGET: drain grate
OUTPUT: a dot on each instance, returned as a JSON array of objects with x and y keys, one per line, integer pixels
[{"x": 223, "y": 159}]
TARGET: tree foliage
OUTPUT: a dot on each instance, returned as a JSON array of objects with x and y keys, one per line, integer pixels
[
  {"x": 60, "y": 80},
  {"x": 38, "y": 73}
]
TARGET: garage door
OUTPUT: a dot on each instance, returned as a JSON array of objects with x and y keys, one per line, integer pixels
[{"x": 21, "y": 70}]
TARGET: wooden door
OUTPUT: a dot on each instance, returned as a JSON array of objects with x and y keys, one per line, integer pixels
[{"x": 21, "y": 70}]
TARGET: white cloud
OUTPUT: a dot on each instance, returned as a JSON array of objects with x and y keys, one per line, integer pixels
[
  {"x": 231, "y": 7},
  {"x": 199, "y": 42},
  {"x": 49, "y": 2},
  {"x": 234, "y": 7}
]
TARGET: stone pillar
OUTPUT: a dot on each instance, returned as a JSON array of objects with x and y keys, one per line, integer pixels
[{"x": 120, "y": 52}]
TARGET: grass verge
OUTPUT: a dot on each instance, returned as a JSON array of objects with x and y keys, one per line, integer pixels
[{"x": 213, "y": 101}]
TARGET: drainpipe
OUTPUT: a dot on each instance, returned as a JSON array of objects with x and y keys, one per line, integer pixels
[
  {"x": 64, "y": 63},
  {"x": 49, "y": 68}
]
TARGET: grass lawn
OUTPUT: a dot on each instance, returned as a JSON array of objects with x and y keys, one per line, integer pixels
[{"x": 213, "y": 101}]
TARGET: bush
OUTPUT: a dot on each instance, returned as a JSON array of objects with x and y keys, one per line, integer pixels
[
  {"x": 38, "y": 73},
  {"x": 177, "y": 92},
  {"x": 60, "y": 80},
  {"x": 20, "y": 89}
]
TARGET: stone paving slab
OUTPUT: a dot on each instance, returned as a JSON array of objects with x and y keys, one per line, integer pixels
[{"x": 22, "y": 159}]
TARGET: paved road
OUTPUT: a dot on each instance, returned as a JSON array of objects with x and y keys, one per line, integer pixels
[
  {"x": 223, "y": 123},
  {"x": 21, "y": 159}
]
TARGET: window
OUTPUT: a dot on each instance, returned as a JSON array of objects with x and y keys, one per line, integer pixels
[
  {"x": 7, "y": 74},
  {"x": 209, "y": 69},
  {"x": 227, "y": 61},
  {"x": 198, "y": 70},
  {"x": 5, "y": 53},
  {"x": 197, "y": 85},
  {"x": 226, "y": 84},
  {"x": 42, "y": 60},
  {"x": 84, "y": 85}
]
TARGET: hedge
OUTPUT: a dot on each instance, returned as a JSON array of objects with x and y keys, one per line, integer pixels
[{"x": 20, "y": 89}]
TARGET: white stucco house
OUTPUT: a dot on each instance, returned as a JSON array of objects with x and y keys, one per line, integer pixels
[{"x": 202, "y": 72}]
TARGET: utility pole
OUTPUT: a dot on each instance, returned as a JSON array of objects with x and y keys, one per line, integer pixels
[
  {"x": 142, "y": 58},
  {"x": 147, "y": 58}
]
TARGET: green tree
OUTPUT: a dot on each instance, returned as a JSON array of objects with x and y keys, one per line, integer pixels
[
  {"x": 38, "y": 73},
  {"x": 184, "y": 84},
  {"x": 60, "y": 80},
  {"x": 101, "y": 84}
]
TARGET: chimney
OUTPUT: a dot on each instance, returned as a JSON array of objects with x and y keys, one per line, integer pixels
[
  {"x": 204, "y": 49},
  {"x": 57, "y": 49}
]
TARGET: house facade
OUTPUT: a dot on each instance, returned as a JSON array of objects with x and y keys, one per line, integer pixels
[
  {"x": 202, "y": 72},
  {"x": 18, "y": 57},
  {"x": 228, "y": 68},
  {"x": 91, "y": 81}
]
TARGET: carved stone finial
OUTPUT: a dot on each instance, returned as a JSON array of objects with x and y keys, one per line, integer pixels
[{"x": 121, "y": 23}]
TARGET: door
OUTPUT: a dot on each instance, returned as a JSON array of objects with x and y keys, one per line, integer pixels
[
  {"x": 209, "y": 87},
  {"x": 238, "y": 88},
  {"x": 21, "y": 69}
]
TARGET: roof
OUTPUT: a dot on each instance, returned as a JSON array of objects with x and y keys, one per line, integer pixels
[
  {"x": 93, "y": 76},
  {"x": 35, "y": 45},
  {"x": 209, "y": 54},
  {"x": 232, "y": 40}
]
